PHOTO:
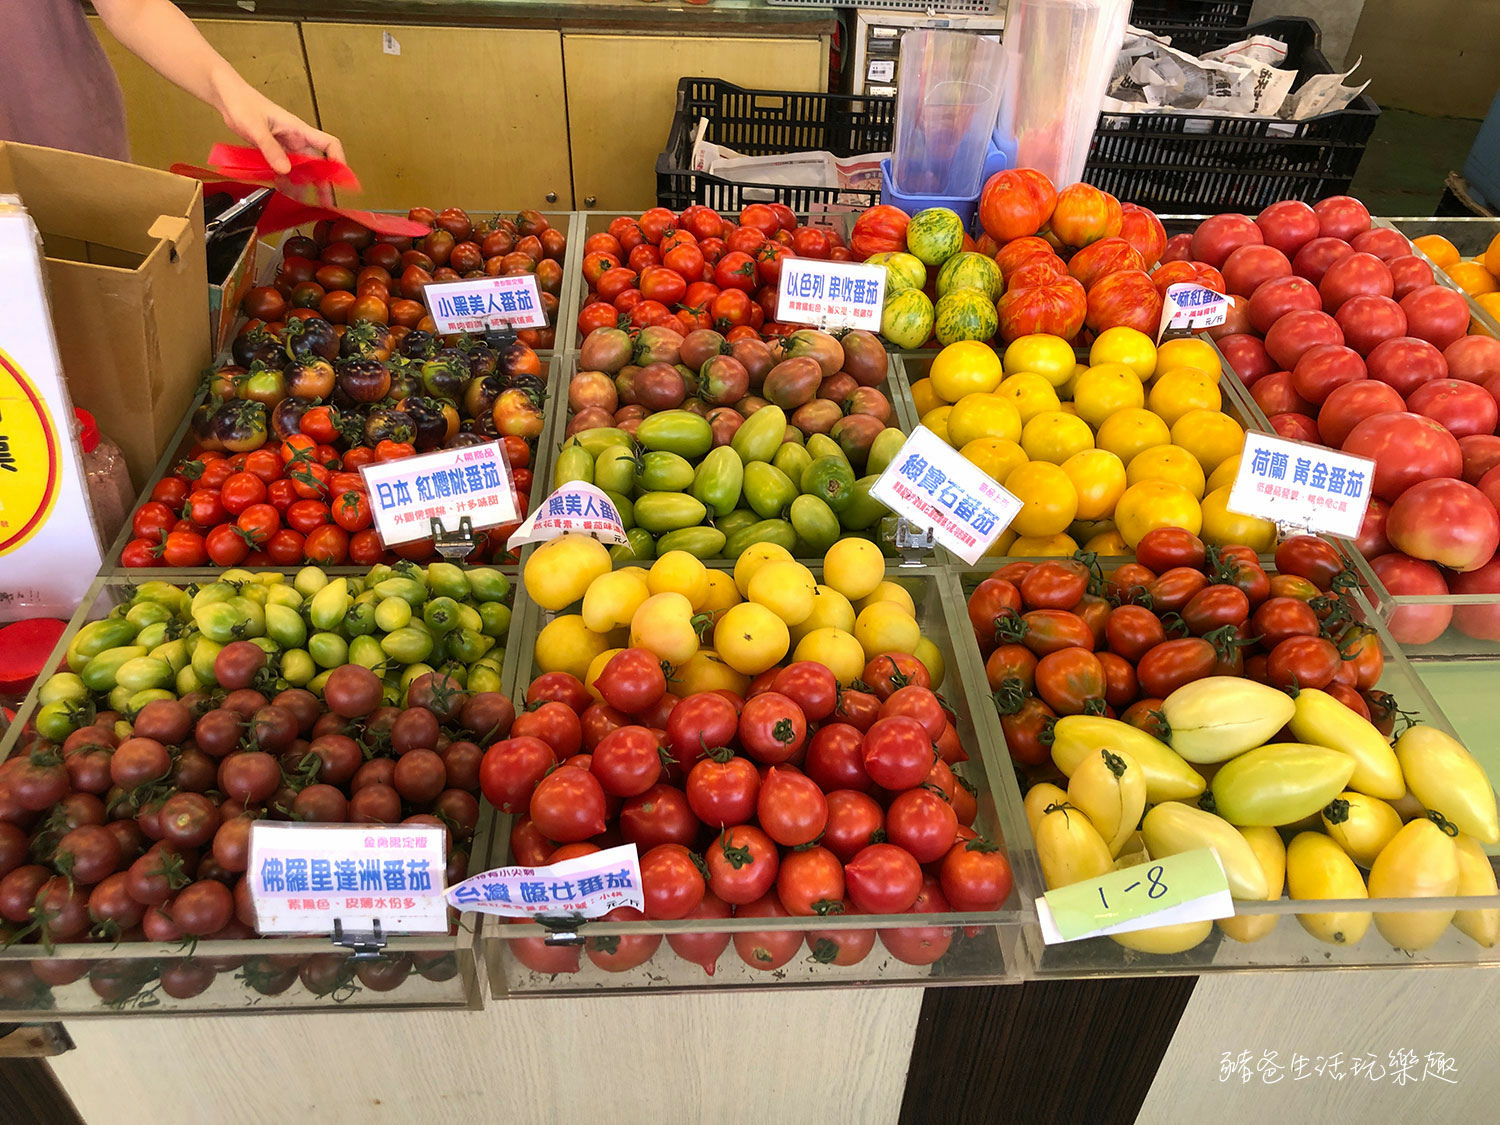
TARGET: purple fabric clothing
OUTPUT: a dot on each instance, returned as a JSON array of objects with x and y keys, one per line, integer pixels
[{"x": 56, "y": 85}]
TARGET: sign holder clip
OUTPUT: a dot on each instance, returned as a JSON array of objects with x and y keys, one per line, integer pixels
[
  {"x": 912, "y": 542},
  {"x": 366, "y": 944},
  {"x": 562, "y": 930},
  {"x": 454, "y": 544}
]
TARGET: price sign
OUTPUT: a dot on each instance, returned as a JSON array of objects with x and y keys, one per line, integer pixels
[
  {"x": 1298, "y": 485},
  {"x": 586, "y": 887},
  {"x": 575, "y": 506},
  {"x": 830, "y": 294},
  {"x": 933, "y": 485},
  {"x": 406, "y": 496},
  {"x": 304, "y": 877},
  {"x": 1190, "y": 305},
  {"x": 485, "y": 302},
  {"x": 1188, "y": 887}
]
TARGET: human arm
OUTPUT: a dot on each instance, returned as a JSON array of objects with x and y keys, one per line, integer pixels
[{"x": 166, "y": 40}]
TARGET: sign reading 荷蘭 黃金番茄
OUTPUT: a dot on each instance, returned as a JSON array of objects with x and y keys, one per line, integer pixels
[
  {"x": 1300, "y": 486},
  {"x": 447, "y": 485}
]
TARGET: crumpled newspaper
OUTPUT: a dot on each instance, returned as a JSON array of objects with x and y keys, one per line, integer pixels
[
  {"x": 1244, "y": 79},
  {"x": 791, "y": 169}
]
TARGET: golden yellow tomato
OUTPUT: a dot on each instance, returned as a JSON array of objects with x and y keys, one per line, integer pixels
[
  {"x": 612, "y": 599},
  {"x": 750, "y": 638},
  {"x": 1442, "y": 252},
  {"x": 752, "y": 558},
  {"x": 854, "y": 567},
  {"x": 1106, "y": 389},
  {"x": 1056, "y": 546},
  {"x": 888, "y": 591},
  {"x": 664, "y": 624},
  {"x": 1472, "y": 278},
  {"x": 937, "y": 422},
  {"x": 1108, "y": 544},
  {"x": 1050, "y": 502},
  {"x": 1066, "y": 390},
  {"x": 1208, "y": 435},
  {"x": 786, "y": 588},
  {"x": 1156, "y": 503},
  {"x": 1051, "y": 357},
  {"x": 994, "y": 456},
  {"x": 559, "y": 571},
  {"x": 1127, "y": 433},
  {"x": 596, "y": 666},
  {"x": 1189, "y": 351},
  {"x": 1168, "y": 463},
  {"x": 682, "y": 573},
  {"x": 705, "y": 670},
  {"x": 836, "y": 650},
  {"x": 1001, "y": 546},
  {"x": 1221, "y": 527},
  {"x": 1128, "y": 346},
  {"x": 964, "y": 368},
  {"x": 1055, "y": 437},
  {"x": 1492, "y": 256},
  {"x": 1181, "y": 389},
  {"x": 886, "y": 627},
  {"x": 1223, "y": 474},
  {"x": 983, "y": 416},
  {"x": 1028, "y": 392},
  {"x": 831, "y": 610},
  {"x": 1490, "y": 303},
  {"x": 932, "y": 659},
  {"x": 566, "y": 644},
  {"x": 1098, "y": 477},
  {"x": 721, "y": 593},
  {"x": 924, "y": 397}
]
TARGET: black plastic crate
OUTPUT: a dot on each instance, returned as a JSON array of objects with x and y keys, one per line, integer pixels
[
  {"x": 1182, "y": 17},
  {"x": 1199, "y": 163},
  {"x": 764, "y": 123}
]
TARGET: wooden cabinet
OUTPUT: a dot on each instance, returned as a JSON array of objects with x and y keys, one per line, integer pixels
[
  {"x": 168, "y": 125},
  {"x": 445, "y": 117},
  {"x": 622, "y": 91}
]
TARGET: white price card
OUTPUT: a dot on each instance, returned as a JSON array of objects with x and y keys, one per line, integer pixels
[
  {"x": 830, "y": 295},
  {"x": 1187, "y": 887},
  {"x": 575, "y": 506},
  {"x": 304, "y": 877},
  {"x": 406, "y": 496},
  {"x": 933, "y": 485},
  {"x": 1301, "y": 486},
  {"x": 586, "y": 887},
  {"x": 1190, "y": 305},
  {"x": 485, "y": 302}
]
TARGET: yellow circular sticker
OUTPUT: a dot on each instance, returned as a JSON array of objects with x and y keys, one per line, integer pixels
[{"x": 30, "y": 460}]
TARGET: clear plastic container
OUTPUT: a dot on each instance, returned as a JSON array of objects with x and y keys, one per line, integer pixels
[
  {"x": 945, "y": 111},
  {"x": 106, "y": 478}
]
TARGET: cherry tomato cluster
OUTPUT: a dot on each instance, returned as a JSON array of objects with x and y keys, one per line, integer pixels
[
  {"x": 283, "y": 505},
  {"x": 139, "y": 830},
  {"x": 1059, "y": 638},
  {"x": 698, "y": 269},
  {"x": 346, "y": 273},
  {"x": 798, "y": 800}
]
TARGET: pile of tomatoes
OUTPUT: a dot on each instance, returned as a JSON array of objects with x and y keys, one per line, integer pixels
[
  {"x": 1060, "y": 639},
  {"x": 285, "y": 504},
  {"x": 797, "y": 800},
  {"x": 140, "y": 830},
  {"x": 698, "y": 269},
  {"x": 345, "y": 273}
]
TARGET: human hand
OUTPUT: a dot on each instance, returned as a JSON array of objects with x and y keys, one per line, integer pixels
[{"x": 272, "y": 129}]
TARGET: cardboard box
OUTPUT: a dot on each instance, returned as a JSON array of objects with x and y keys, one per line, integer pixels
[
  {"x": 128, "y": 281},
  {"x": 224, "y": 299}
]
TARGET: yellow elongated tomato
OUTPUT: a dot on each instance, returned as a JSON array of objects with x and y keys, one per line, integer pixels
[
  {"x": 612, "y": 599},
  {"x": 1110, "y": 788},
  {"x": 1317, "y": 868},
  {"x": 1168, "y": 777},
  {"x": 565, "y": 644},
  {"x": 1173, "y": 827},
  {"x": 664, "y": 624},
  {"x": 1133, "y": 853},
  {"x": 1446, "y": 778},
  {"x": 1360, "y": 824},
  {"x": 1217, "y": 717},
  {"x": 1271, "y": 853},
  {"x": 1476, "y": 877},
  {"x": 1039, "y": 798},
  {"x": 1070, "y": 848},
  {"x": 1166, "y": 939},
  {"x": 1421, "y": 861},
  {"x": 1322, "y": 720},
  {"x": 559, "y": 571},
  {"x": 1279, "y": 784},
  {"x": 705, "y": 670}
]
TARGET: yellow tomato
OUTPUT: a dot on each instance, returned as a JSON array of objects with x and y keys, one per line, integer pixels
[
  {"x": 886, "y": 627},
  {"x": 1181, "y": 389},
  {"x": 682, "y": 573},
  {"x": 836, "y": 650},
  {"x": 1055, "y": 436},
  {"x": 1492, "y": 256},
  {"x": 983, "y": 416},
  {"x": 566, "y": 644},
  {"x": 964, "y": 368},
  {"x": 705, "y": 670},
  {"x": 831, "y": 610},
  {"x": 750, "y": 638},
  {"x": 1108, "y": 544},
  {"x": 1066, "y": 390},
  {"x": 752, "y": 558},
  {"x": 1490, "y": 303},
  {"x": 596, "y": 666},
  {"x": 1051, "y": 357},
  {"x": 1209, "y": 436},
  {"x": 1028, "y": 392},
  {"x": 1068, "y": 408},
  {"x": 1472, "y": 278},
  {"x": 1156, "y": 503},
  {"x": 924, "y": 397},
  {"x": 1083, "y": 530},
  {"x": 1221, "y": 527},
  {"x": 1442, "y": 252},
  {"x": 854, "y": 567},
  {"x": 664, "y": 624},
  {"x": 994, "y": 456},
  {"x": 721, "y": 593},
  {"x": 887, "y": 591},
  {"x": 786, "y": 588},
  {"x": 560, "y": 570},
  {"x": 1223, "y": 474},
  {"x": 1098, "y": 477},
  {"x": 1050, "y": 502},
  {"x": 932, "y": 659},
  {"x": 1001, "y": 546},
  {"x": 1127, "y": 433},
  {"x": 1128, "y": 346},
  {"x": 1056, "y": 546},
  {"x": 1169, "y": 463},
  {"x": 1189, "y": 351},
  {"x": 937, "y": 422},
  {"x": 612, "y": 599},
  {"x": 1105, "y": 389}
]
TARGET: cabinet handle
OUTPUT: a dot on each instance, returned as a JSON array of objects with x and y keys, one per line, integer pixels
[
  {"x": 589, "y": 200},
  {"x": 552, "y": 197}
]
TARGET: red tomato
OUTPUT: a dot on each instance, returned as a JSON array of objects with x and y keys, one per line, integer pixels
[
  {"x": 1050, "y": 630},
  {"x": 923, "y": 823},
  {"x": 1024, "y": 728},
  {"x": 671, "y": 884},
  {"x": 568, "y": 805},
  {"x": 1132, "y": 631},
  {"x": 791, "y": 808},
  {"x": 1015, "y": 663},
  {"x": 660, "y": 815},
  {"x": 742, "y": 864},
  {"x": 1055, "y": 585},
  {"x": 326, "y": 545},
  {"x": 976, "y": 875},
  {"x": 1215, "y": 607},
  {"x": 898, "y": 752},
  {"x": 510, "y": 771},
  {"x": 1303, "y": 662},
  {"x": 626, "y": 762},
  {"x": 1173, "y": 663},
  {"x": 992, "y": 600},
  {"x": 772, "y": 728},
  {"x": 722, "y": 791},
  {"x": 766, "y": 950},
  {"x": 154, "y": 519},
  {"x": 811, "y": 882},
  {"x": 883, "y": 879},
  {"x": 632, "y": 681},
  {"x": 1164, "y": 548},
  {"x": 891, "y": 671},
  {"x": 855, "y": 821}
]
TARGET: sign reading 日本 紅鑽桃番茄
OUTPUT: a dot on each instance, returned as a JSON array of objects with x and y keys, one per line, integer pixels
[{"x": 447, "y": 485}]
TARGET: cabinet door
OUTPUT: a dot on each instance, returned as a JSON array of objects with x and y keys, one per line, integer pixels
[
  {"x": 622, "y": 92},
  {"x": 168, "y": 125},
  {"x": 445, "y": 117}
]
